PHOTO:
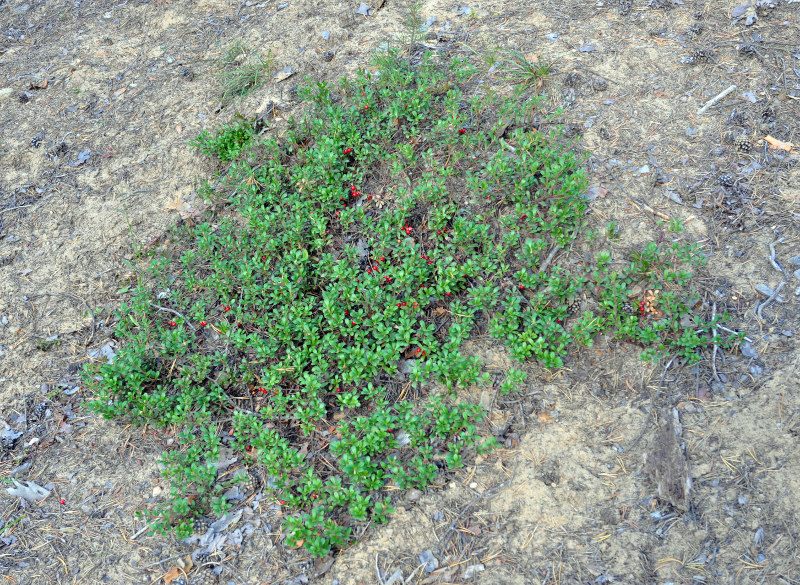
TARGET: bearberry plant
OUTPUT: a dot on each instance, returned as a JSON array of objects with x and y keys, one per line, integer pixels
[{"x": 313, "y": 320}]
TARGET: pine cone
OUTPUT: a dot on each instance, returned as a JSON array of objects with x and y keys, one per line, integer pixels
[
  {"x": 201, "y": 525},
  {"x": 700, "y": 56},
  {"x": 625, "y": 7},
  {"x": 726, "y": 180},
  {"x": 39, "y": 410},
  {"x": 742, "y": 143}
]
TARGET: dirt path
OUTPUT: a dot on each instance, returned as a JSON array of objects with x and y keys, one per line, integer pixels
[{"x": 94, "y": 157}]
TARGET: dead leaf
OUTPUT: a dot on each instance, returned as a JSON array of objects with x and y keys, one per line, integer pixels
[
  {"x": 776, "y": 144},
  {"x": 173, "y": 574},
  {"x": 439, "y": 311},
  {"x": 30, "y": 492},
  {"x": 545, "y": 418},
  {"x": 39, "y": 84},
  {"x": 660, "y": 93}
]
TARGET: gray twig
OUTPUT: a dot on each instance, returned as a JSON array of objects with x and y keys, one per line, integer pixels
[
  {"x": 174, "y": 312},
  {"x": 734, "y": 332},
  {"x": 2, "y": 211},
  {"x": 714, "y": 351},
  {"x": 772, "y": 259},
  {"x": 716, "y": 99},
  {"x": 770, "y": 300}
]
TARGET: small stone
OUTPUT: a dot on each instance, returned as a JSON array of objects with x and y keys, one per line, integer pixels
[
  {"x": 328, "y": 56},
  {"x": 413, "y": 495},
  {"x": 473, "y": 485},
  {"x": 326, "y": 34},
  {"x": 600, "y": 84},
  {"x": 473, "y": 570},
  {"x": 797, "y": 274},
  {"x": 21, "y": 9},
  {"x": 625, "y": 7},
  {"x": 6, "y": 93},
  {"x": 795, "y": 260},
  {"x": 429, "y": 562}
]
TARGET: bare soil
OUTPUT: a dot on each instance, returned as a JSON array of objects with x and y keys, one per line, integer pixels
[{"x": 612, "y": 469}]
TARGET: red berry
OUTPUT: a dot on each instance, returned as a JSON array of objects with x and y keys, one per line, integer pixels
[
  {"x": 203, "y": 323},
  {"x": 62, "y": 501},
  {"x": 522, "y": 287},
  {"x": 448, "y": 294},
  {"x": 172, "y": 323},
  {"x": 462, "y": 131}
]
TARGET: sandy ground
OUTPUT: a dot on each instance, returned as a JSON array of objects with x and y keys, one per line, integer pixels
[{"x": 97, "y": 103}]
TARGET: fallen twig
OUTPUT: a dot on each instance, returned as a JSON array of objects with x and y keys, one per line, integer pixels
[
  {"x": 772, "y": 260},
  {"x": 174, "y": 312},
  {"x": 714, "y": 351},
  {"x": 770, "y": 300},
  {"x": 735, "y": 333},
  {"x": 716, "y": 99}
]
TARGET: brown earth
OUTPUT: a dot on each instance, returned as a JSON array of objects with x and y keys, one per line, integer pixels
[{"x": 95, "y": 164}]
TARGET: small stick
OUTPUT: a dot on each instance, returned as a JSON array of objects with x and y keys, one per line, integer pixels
[
  {"x": 2, "y": 211},
  {"x": 735, "y": 332},
  {"x": 770, "y": 300},
  {"x": 772, "y": 260},
  {"x": 715, "y": 99},
  {"x": 173, "y": 311},
  {"x": 714, "y": 352}
]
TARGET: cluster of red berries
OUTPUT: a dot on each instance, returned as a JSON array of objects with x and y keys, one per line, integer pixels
[
  {"x": 643, "y": 309},
  {"x": 426, "y": 258},
  {"x": 348, "y": 150},
  {"x": 172, "y": 324},
  {"x": 353, "y": 191},
  {"x": 407, "y": 228},
  {"x": 462, "y": 131}
]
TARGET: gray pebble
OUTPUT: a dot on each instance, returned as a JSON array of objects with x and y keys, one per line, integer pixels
[
  {"x": 429, "y": 561},
  {"x": 21, "y": 9},
  {"x": 795, "y": 260}
]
